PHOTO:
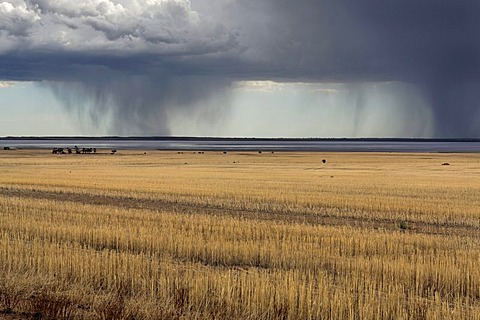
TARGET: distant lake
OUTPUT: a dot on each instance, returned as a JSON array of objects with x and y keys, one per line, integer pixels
[{"x": 333, "y": 145}]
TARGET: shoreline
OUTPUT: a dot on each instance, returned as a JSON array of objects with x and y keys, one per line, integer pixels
[
  {"x": 250, "y": 145},
  {"x": 237, "y": 139}
]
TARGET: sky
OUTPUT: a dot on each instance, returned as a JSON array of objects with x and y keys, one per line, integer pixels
[{"x": 270, "y": 68}]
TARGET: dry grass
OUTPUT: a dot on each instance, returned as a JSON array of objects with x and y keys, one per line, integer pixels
[{"x": 165, "y": 235}]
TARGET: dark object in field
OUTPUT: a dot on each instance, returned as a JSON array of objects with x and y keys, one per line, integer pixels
[
  {"x": 77, "y": 150},
  {"x": 324, "y": 161},
  {"x": 224, "y": 152},
  {"x": 259, "y": 151},
  {"x": 6, "y": 148},
  {"x": 445, "y": 164},
  {"x": 89, "y": 150},
  {"x": 403, "y": 225},
  {"x": 114, "y": 151}
]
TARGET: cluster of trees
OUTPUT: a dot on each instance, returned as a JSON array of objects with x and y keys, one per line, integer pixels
[{"x": 70, "y": 151}]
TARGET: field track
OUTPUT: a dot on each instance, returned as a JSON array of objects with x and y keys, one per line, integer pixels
[{"x": 432, "y": 228}]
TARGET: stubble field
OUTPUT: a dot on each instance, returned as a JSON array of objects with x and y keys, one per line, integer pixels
[{"x": 168, "y": 235}]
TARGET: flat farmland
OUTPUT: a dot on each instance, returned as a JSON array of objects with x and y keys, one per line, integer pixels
[{"x": 239, "y": 235}]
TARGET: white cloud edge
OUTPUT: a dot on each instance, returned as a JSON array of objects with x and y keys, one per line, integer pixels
[
  {"x": 130, "y": 26},
  {"x": 6, "y": 84},
  {"x": 268, "y": 86}
]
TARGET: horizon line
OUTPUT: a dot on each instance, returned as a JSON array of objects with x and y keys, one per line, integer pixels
[{"x": 155, "y": 137}]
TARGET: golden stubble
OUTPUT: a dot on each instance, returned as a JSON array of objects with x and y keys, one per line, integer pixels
[{"x": 240, "y": 235}]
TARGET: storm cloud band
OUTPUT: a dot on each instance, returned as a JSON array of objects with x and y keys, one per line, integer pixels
[{"x": 175, "y": 53}]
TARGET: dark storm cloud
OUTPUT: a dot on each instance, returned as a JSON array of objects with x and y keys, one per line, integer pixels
[
  {"x": 372, "y": 39},
  {"x": 124, "y": 65},
  {"x": 432, "y": 43},
  {"x": 98, "y": 45}
]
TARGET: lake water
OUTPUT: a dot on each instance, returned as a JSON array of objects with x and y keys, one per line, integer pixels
[{"x": 252, "y": 145}]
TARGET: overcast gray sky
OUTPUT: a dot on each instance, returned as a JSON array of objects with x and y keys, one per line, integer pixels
[{"x": 240, "y": 68}]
